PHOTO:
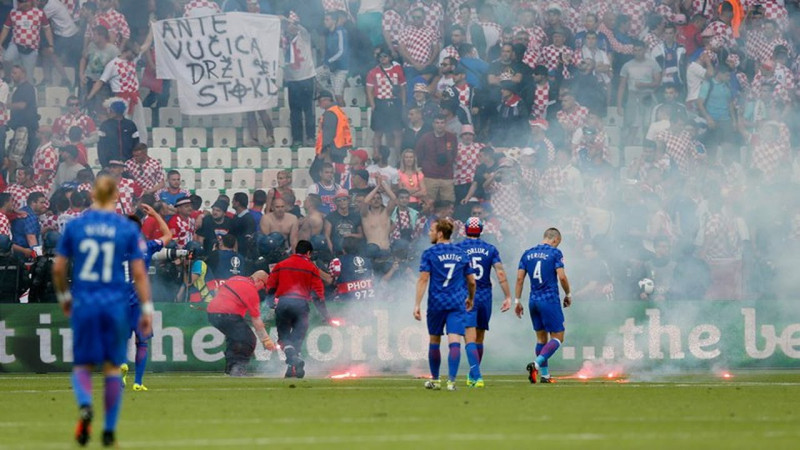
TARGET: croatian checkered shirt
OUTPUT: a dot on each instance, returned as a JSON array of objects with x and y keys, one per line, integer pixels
[
  {"x": 147, "y": 174},
  {"x": 114, "y": 22},
  {"x": 20, "y": 193},
  {"x": 127, "y": 194},
  {"x": 434, "y": 15},
  {"x": 572, "y": 120},
  {"x": 393, "y": 23},
  {"x": 464, "y": 95},
  {"x": 506, "y": 204},
  {"x": 617, "y": 46},
  {"x": 551, "y": 56},
  {"x": 65, "y": 217},
  {"x": 637, "y": 10},
  {"x": 723, "y": 30},
  {"x": 652, "y": 41},
  {"x": 708, "y": 12},
  {"x": 761, "y": 50},
  {"x": 448, "y": 266},
  {"x": 662, "y": 164},
  {"x": 381, "y": 85},
  {"x": 680, "y": 149},
  {"x": 667, "y": 13},
  {"x": 182, "y": 230},
  {"x": 541, "y": 98},
  {"x": 27, "y": 27},
  {"x": 466, "y": 162},
  {"x": 449, "y": 52},
  {"x": 334, "y": 5},
  {"x": 62, "y": 125},
  {"x": 537, "y": 36},
  {"x": 418, "y": 42},
  {"x": 775, "y": 11},
  {"x": 126, "y": 75},
  {"x": 45, "y": 158},
  {"x": 720, "y": 238},
  {"x": 784, "y": 83},
  {"x": 5, "y": 225},
  {"x": 204, "y": 4},
  {"x": 85, "y": 187},
  {"x": 48, "y": 221},
  {"x": 768, "y": 156}
]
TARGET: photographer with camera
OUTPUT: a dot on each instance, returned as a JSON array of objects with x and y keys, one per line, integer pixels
[{"x": 42, "y": 290}]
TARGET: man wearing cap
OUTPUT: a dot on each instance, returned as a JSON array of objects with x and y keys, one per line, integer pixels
[
  {"x": 483, "y": 257},
  {"x": 118, "y": 135},
  {"x": 181, "y": 225},
  {"x": 421, "y": 100},
  {"x": 342, "y": 223},
  {"x": 465, "y": 165},
  {"x": 333, "y": 135},
  {"x": 295, "y": 282},
  {"x": 436, "y": 152},
  {"x": 358, "y": 161},
  {"x": 386, "y": 86},
  {"x": 236, "y": 298}
]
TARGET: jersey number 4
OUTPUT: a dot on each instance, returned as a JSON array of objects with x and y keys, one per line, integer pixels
[
  {"x": 537, "y": 272},
  {"x": 92, "y": 250}
]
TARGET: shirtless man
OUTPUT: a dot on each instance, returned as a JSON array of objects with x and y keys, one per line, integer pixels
[
  {"x": 280, "y": 221},
  {"x": 375, "y": 217},
  {"x": 314, "y": 221}
]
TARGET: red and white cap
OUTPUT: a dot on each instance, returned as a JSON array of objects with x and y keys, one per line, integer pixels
[{"x": 473, "y": 226}]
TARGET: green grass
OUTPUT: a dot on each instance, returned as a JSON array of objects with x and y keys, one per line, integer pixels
[{"x": 752, "y": 410}]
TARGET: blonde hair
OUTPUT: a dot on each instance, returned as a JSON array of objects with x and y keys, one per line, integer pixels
[
  {"x": 105, "y": 190},
  {"x": 402, "y": 162}
]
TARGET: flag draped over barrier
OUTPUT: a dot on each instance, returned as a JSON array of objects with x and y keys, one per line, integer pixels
[{"x": 222, "y": 63}]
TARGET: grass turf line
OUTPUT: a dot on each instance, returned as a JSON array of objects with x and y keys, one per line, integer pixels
[{"x": 208, "y": 411}]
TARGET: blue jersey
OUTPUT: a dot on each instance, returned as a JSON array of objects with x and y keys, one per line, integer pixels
[
  {"x": 99, "y": 243},
  {"x": 152, "y": 247},
  {"x": 540, "y": 263},
  {"x": 482, "y": 256},
  {"x": 448, "y": 266}
]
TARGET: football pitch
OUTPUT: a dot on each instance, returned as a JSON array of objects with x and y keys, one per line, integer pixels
[{"x": 189, "y": 410}]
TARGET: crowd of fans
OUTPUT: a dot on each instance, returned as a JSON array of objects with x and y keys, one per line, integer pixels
[{"x": 655, "y": 134}]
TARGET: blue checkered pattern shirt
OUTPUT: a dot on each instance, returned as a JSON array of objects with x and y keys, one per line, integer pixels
[
  {"x": 540, "y": 263},
  {"x": 483, "y": 256},
  {"x": 448, "y": 266},
  {"x": 22, "y": 227}
]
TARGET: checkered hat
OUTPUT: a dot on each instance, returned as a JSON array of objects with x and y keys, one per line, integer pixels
[{"x": 473, "y": 226}]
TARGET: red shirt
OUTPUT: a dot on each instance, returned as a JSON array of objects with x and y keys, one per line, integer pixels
[
  {"x": 237, "y": 296},
  {"x": 150, "y": 229},
  {"x": 296, "y": 277}
]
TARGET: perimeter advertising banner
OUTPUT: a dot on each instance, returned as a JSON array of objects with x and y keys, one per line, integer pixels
[{"x": 385, "y": 339}]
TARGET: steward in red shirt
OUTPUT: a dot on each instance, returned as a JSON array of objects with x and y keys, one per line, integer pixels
[
  {"x": 295, "y": 281},
  {"x": 226, "y": 311}
]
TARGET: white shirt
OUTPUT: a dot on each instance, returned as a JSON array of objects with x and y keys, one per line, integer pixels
[
  {"x": 371, "y": 6},
  {"x": 695, "y": 75},
  {"x": 60, "y": 19}
]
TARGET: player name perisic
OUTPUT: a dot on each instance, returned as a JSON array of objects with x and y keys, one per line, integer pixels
[{"x": 537, "y": 256}]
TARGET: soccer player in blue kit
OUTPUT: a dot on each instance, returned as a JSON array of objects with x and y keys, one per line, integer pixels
[
  {"x": 153, "y": 246},
  {"x": 544, "y": 265},
  {"x": 446, "y": 272},
  {"x": 482, "y": 256},
  {"x": 98, "y": 244}
]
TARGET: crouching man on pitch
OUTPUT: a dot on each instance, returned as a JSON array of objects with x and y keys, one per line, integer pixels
[
  {"x": 226, "y": 311},
  {"x": 295, "y": 281}
]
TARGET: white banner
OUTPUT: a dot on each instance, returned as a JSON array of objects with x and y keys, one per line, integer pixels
[{"x": 223, "y": 63}]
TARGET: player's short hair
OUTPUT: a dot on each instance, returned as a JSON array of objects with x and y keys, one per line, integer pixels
[
  {"x": 102, "y": 32},
  {"x": 141, "y": 146},
  {"x": 444, "y": 226},
  {"x": 314, "y": 200},
  {"x": 240, "y": 198},
  {"x": 173, "y": 172},
  {"x": 228, "y": 240},
  {"x": 196, "y": 200},
  {"x": 75, "y": 134},
  {"x": 351, "y": 245},
  {"x": 403, "y": 192},
  {"x": 303, "y": 247},
  {"x": 34, "y": 197},
  {"x": 259, "y": 197},
  {"x": 552, "y": 233}
]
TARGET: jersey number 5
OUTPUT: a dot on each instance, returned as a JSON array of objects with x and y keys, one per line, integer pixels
[
  {"x": 92, "y": 250},
  {"x": 476, "y": 264}
]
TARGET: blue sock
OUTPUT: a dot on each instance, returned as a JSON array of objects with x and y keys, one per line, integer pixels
[
  {"x": 480, "y": 352},
  {"x": 543, "y": 369},
  {"x": 113, "y": 400},
  {"x": 547, "y": 351},
  {"x": 141, "y": 361},
  {"x": 434, "y": 360},
  {"x": 82, "y": 385},
  {"x": 474, "y": 361},
  {"x": 453, "y": 360}
]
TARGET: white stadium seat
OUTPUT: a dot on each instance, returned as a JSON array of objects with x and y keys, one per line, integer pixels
[
  {"x": 93, "y": 159},
  {"x": 269, "y": 178},
  {"x": 305, "y": 156},
  {"x": 148, "y": 117},
  {"x": 278, "y": 157},
  {"x": 212, "y": 179},
  {"x": 632, "y": 152},
  {"x": 301, "y": 179},
  {"x": 194, "y": 137},
  {"x": 300, "y": 195},
  {"x": 224, "y": 137},
  {"x": 201, "y": 121},
  {"x": 354, "y": 115},
  {"x": 48, "y": 115},
  {"x": 209, "y": 196},
  {"x": 248, "y": 158},
  {"x": 218, "y": 158},
  {"x": 243, "y": 179},
  {"x": 189, "y": 157},
  {"x": 56, "y": 96},
  {"x": 187, "y": 178},
  {"x": 355, "y": 97},
  {"x": 229, "y": 120},
  {"x": 283, "y": 136},
  {"x": 284, "y": 118},
  {"x": 170, "y": 117},
  {"x": 164, "y": 137},
  {"x": 163, "y": 154}
]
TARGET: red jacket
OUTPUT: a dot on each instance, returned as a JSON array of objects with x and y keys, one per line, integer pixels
[
  {"x": 296, "y": 277},
  {"x": 237, "y": 296}
]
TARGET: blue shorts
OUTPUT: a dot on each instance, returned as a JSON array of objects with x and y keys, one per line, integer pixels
[
  {"x": 452, "y": 318},
  {"x": 546, "y": 316},
  {"x": 481, "y": 311},
  {"x": 100, "y": 333},
  {"x": 134, "y": 314}
]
